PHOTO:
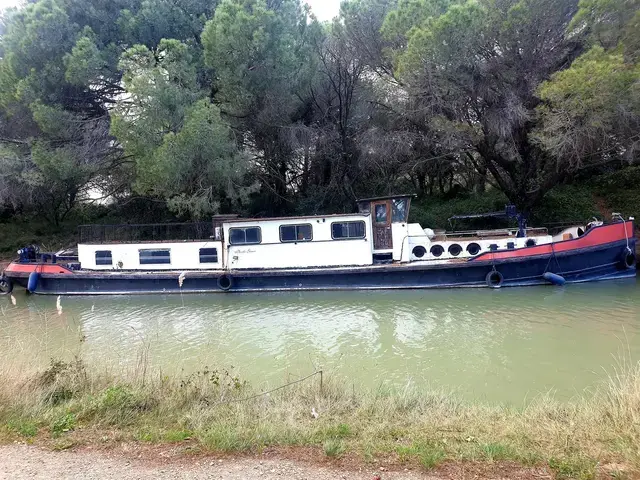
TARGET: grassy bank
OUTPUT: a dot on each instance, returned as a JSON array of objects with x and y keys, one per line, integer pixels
[{"x": 213, "y": 411}]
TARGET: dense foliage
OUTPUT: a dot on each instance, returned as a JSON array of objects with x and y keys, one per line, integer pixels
[{"x": 208, "y": 106}]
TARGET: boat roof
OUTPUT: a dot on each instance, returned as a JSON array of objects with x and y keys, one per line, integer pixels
[
  {"x": 301, "y": 217},
  {"x": 388, "y": 197}
]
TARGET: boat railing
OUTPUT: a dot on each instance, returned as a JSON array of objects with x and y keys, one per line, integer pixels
[
  {"x": 506, "y": 232},
  {"x": 141, "y": 233},
  {"x": 557, "y": 227}
]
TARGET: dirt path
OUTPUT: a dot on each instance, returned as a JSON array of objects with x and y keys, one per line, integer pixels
[
  {"x": 24, "y": 462},
  {"x": 19, "y": 462}
]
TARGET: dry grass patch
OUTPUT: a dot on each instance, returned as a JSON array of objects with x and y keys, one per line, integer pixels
[{"x": 220, "y": 413}]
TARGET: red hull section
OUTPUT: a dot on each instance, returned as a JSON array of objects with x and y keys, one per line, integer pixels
[
  {"x": 596, "y": 237},
  {"x": 24, "y": 269}
]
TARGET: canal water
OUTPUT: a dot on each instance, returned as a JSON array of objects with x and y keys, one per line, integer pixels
[{"x": 506, "y": 345}]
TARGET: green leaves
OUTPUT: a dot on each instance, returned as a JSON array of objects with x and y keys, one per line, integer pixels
[
  {"x": 183, "y": 149},
  {"x": 200, "y": 164},
  {"x": 256, "y": 52},
  {"x": 160, "y": 86},
  {"x": 607, "y": 21},
  {"x": 196, "y": 166},
  {"x": 594, "y": 106},
  {"x": 85, "y": 63},
  {"x": 592, "y": 109}
]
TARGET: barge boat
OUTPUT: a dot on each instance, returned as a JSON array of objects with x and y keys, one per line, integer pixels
[{"x": 376, "y": 248}]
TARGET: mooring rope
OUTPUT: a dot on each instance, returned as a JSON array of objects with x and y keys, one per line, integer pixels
[
  {"x": 551, "y": 257},
  {"x": 300, "y": 380},
  {"x": 626, "y": 234}
]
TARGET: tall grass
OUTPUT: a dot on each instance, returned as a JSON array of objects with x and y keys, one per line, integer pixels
[{"x": 221, "y": 413}]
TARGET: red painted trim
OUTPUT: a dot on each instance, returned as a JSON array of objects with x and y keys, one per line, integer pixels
[
  {"x": 24, "y": 268},
  {"x": 592, "y": 238}
]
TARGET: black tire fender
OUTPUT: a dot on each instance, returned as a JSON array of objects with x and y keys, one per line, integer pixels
[
  {"x": 225, "y": 282},
  {"x": 494, "y": 279},
  {"x": 629, "y": 260},
  {"x": 6, "y": 286}
]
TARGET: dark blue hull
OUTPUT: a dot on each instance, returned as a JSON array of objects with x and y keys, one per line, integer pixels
[{"x": 604, "y": 262}]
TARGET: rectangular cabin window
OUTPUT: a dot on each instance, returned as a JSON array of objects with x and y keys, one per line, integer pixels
[
  {"x": 208, "y": 255},
  {"x": 245, "y": 236},
  {"x": 296, "y": 233},
  {"x": 399, "y": 210},
  {"x": 155, "y": 257},
  {"x": 347, "y": 230},
  {"x": 103, "y": 257},
  {"x": 381, "y": 213}
]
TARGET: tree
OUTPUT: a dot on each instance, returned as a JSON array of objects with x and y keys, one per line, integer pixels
[
  {"x": 183, "y": 150},
  {"x": 476, "y": 67},
  {"x": 253, "y": 105},
  {"x": 58, "y": 83},
  {"x": 61, "y": 67},
  {"x": 591, "y": 111},
  {"x": 263, "y": 63}
]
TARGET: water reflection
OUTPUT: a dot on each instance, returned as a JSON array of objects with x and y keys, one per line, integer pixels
[{"x": 498, "y": 345}]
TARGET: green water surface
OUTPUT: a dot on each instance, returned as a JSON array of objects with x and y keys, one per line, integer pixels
[{"x": 504, "y": 345}]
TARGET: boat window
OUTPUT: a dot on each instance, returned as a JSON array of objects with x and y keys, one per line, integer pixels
[
  {"x": 208, "y": 255},
  {"x": 455, "y": 250},
  {"x": 381, "y": 213},
  {"x": 155, "y": 257},
  {"x": 346, "y": 230},
  {"x": 103, "y": 257},
  {"x": 399, "y": 210},
  {"x": 473, "y": 248},
  {"x": 437, "y": 250},
  {"x": 419, "y": 251},
  {"x": 245, "y": 236},
  {"x": 296, "y": 233}
]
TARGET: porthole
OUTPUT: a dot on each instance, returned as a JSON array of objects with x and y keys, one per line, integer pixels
[
  {"x": 437, "y": 250},
  {"x": 419, "y": 251},
  {"x": 455, "y": 250},
  {"x": 530, "y": 243},
  {"x": 473, "y": 249}
]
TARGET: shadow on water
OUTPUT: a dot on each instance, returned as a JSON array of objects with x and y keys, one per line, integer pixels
[{"x": 498, "y": 345}]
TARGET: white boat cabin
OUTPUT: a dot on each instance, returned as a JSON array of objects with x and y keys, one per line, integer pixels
[{"x": 378, "y": 234}]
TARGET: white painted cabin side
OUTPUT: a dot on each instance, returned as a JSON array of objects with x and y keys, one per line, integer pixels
[
  {"x": 188, "y": 255},
  {"x": 421, "y": 248},
  {"x": 379, "y": 234},
  {"x": 303, "y": 242}
]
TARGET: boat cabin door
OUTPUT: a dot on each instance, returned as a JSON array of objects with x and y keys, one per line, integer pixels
[
  {"x": 386, "y": 211},
  {"x": 381, "y": 213}
]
